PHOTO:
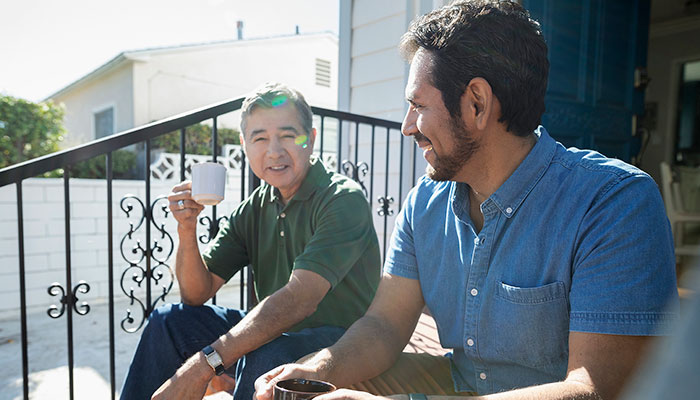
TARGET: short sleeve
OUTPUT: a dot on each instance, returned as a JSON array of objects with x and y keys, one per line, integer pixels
[
  {"x": 227, "y": 252},
  {"x": 342, "y": 233},
  {"x": 624, "y": 275},
  {"x": 401, "y": 256}
]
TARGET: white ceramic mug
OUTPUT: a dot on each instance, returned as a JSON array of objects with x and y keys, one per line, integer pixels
[{"x": 208, "y": 183}]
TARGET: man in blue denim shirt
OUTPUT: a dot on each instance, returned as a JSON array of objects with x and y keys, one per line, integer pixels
[{"x": 546, "y": 269}]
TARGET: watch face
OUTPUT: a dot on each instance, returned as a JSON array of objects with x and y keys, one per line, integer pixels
[{"x": 214, "y": 359}]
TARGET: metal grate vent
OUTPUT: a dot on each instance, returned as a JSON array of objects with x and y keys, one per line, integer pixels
[{"x": 323, "y": 72}]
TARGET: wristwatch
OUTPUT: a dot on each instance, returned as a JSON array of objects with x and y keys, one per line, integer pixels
[{"x": 214, "y": 360}]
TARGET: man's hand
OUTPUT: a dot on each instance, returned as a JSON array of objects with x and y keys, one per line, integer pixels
[
  {"x": 265, "y": 383},
  {"x": 189, "y": 382},
  {"x": 184, "y": 208},
  {"x": 347, "y": 394}
]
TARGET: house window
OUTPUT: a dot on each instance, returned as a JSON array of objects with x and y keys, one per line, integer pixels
[
  {"x": 323, "y": 72},
  {"x": 688, "y": 114},
  {"x": 104, "y": 123}
]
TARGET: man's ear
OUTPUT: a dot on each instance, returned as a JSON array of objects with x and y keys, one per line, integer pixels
[
  {"x": 312, "y": 138},
  {"x": 477, "y": 103},
  {"x": 241, "y": 138}
]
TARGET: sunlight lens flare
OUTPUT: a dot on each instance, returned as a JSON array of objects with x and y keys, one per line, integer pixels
[
  {"x": 279, "y": 101},
  {"x": 301, "y": 140}
]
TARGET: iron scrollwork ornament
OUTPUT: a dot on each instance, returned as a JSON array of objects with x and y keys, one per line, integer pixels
[
  {"x": 385, "y": 203},
  {"x": 70, "y": 300},
  {"x": 357, "y": 173},
  {"x": 212, "y": 228},
  {"x": 134, "y": 253}
]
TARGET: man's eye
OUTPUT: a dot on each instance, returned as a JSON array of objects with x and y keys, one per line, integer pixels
[{"x": 258, "y": 139}]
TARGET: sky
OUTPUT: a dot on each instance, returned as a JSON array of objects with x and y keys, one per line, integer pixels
[{"x": 47, "y": 44}]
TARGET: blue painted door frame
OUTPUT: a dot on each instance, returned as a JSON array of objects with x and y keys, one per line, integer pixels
[{"x": 595, "y": 46}]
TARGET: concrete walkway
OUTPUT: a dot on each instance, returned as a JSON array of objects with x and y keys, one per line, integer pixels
[{"x": 48, "y": 355}]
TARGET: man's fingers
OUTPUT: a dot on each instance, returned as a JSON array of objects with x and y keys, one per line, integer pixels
[
  {"x": 266, "y": 382},
  {"x": 182, "y": 186}
]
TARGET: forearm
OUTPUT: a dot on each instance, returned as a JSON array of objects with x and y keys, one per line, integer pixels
[
  {"x": 274, "y": 315},
  {"x": 566, "y": 390},
  {"x": 193, "y": 277},
  {"x": 369, "y": 348}
]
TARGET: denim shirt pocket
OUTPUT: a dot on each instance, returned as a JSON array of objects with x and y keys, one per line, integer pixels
[{"x": 530, "y": 325}]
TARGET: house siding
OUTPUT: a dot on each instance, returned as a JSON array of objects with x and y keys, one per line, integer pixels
[{"x": 113, "y": 89}]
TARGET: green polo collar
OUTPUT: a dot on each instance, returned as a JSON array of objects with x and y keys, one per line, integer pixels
[{"x": 312, "y": 181}]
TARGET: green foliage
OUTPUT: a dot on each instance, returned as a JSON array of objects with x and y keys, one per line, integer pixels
[
  {"x": 123, "y": 161},
  {"x": 197, "y": 140},
  {"x": 28, "y": 130}
]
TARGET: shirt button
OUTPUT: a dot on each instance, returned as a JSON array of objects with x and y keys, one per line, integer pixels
[
  {"x": 474, "y": 292},
  {"x": 470, "y": 342},
  {"x": 509, "y": 210},
  {"x": 282, "y": 233},
  {"x": 283, "y": 215},
  {"x": 476, "y": 241},
  {"x": 482, "y": 376}
]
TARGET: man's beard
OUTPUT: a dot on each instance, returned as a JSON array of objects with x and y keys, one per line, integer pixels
[{"x": 448, "y": 165}]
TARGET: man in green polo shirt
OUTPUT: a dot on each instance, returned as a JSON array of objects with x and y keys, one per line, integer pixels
[{"x": 307, "y": 233}]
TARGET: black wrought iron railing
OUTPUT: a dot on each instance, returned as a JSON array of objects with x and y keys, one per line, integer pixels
[{"x": 366, "y": 149}]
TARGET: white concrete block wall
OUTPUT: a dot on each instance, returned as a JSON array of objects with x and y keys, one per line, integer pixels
[{"x": 45, "y": 244}]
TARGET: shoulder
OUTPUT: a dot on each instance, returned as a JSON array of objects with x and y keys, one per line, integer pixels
[
  {"x": 597, "y": 172},
  {"x": 334, "y": 185}
]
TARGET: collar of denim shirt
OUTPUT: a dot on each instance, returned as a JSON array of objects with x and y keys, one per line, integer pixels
[{"x": 511, "y": 194}]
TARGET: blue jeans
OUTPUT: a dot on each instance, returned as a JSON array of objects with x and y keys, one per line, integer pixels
[{"x": 177, "y": 331}]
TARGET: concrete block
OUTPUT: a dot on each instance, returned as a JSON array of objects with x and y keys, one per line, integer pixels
[
  {"x": 8, "y": 211},
  {"x": 88, "y": 210},
  {"x": 43, "y": 211},
  {"x": 34, "y": 229},
  {"x": 83, "y": 191},
  {"x": 36, "y": 263},
  {"x": 84, "y": 259},
  {"x": 87, "y": 242},
  {"x": 57, "y": 260},
  {"x": 54, "y": 193},
  {"x": 8, "y": 194},
  {"x": 83, "y": 226},
  {"x": 33, "y": 192},
  {"x": 48, "y": 244},
  {"x": 92, "y": 275},
  {"x": 8, "y": 229},
  {"x": 9, "y": 246},
  {"x": 44, "y": 279}
]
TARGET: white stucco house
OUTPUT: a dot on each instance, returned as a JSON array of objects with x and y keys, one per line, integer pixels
[{"x": 141, "y": 86}]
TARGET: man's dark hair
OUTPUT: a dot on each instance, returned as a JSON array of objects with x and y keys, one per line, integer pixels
[{"x": 497, "y": 41}]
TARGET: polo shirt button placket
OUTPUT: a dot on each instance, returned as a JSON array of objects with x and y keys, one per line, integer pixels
[{"x": 282, "y": 216}]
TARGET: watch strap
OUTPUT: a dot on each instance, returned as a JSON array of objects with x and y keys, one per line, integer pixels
[{"x": 214, "y": 360}]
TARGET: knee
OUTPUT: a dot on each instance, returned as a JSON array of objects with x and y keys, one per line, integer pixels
[{"x": 172, "y": 314}]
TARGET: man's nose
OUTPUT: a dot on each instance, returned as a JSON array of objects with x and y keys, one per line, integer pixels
[
  {"x": 408, "y": 126},
  {"x": 275, "y": 148}
]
